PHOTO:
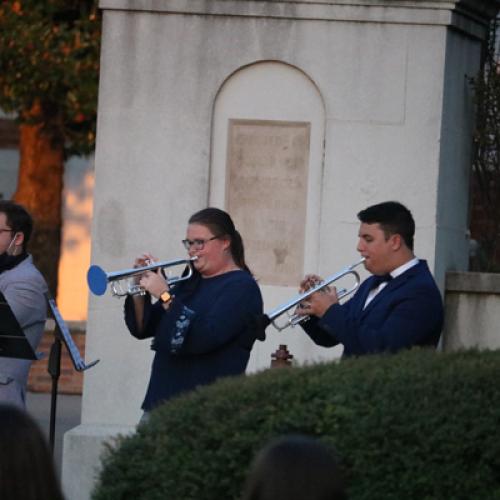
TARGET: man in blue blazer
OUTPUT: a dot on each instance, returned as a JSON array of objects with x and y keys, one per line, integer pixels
[{"x": 398, "y": 307}]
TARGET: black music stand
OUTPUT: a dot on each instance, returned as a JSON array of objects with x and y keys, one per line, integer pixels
[
  {"x": 61, "y": 334},
  {"x": 13, "y": 342}
]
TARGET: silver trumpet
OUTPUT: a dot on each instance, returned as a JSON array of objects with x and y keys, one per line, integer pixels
[
  {"x": 295, "y": 319},
  {"x": 98, "y": 279}
]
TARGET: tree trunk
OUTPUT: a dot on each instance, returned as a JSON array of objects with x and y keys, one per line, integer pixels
[{"x": 39, "y": 189}]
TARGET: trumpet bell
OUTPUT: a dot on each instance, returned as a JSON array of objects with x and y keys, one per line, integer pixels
[{"x": 97, "y": 280}]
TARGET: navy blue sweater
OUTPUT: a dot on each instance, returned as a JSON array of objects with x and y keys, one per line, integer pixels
[{"x": 204, "y": 334}]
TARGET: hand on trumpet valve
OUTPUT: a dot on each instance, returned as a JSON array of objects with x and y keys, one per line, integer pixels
[
  {"x": 134, "y": 288},
  {"x": 301, "y": 309},
  {"x": 144, "y": 259},
  {"x": 317, "y": 303},
  {"x": 154, "y": 283},
  {"x": 309, "y": 281}
]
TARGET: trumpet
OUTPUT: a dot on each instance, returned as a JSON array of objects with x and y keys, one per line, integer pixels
[
  {"x": 98, "y": 279},
  {"x": 295, "y": 319}
]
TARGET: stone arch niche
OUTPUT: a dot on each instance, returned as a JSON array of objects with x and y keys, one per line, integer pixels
[{"x": 266, "y": 170}]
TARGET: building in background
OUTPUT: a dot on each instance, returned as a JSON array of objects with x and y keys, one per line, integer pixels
[{"x": 72, "y": 296}]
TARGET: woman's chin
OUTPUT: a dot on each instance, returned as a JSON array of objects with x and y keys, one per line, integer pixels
[{"x": 199, "y": 266}]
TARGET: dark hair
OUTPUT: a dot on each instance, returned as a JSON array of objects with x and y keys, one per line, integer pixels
[
  {"x": 221, "y": 225},
  {"x": 295, "y": 468},
  {"x": 18, "y": 219},
  {"x": 26, "y": 466},
  {"x": 393, "y": 217}
]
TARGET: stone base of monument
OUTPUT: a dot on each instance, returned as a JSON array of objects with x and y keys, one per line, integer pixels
[
  {"x": 85, "y": 445},
  {"x": 472, "y": 311}
]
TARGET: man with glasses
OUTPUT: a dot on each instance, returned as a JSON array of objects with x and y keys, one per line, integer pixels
[{"x": 23, "y": 287}]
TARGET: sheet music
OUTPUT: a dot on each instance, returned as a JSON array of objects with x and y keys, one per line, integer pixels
[{"x": 13, "y": 342}]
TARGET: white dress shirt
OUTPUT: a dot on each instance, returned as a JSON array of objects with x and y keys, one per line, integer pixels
[{"x": 395, "y": 273}]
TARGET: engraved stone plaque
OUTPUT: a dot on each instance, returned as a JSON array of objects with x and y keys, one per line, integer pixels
[{"x": 266, "y": 193}]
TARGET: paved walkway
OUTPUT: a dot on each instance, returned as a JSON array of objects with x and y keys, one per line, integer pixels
[{"x": 68, "y": 412}]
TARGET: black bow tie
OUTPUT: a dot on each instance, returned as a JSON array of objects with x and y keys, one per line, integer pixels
[{"x": 378, "y": 280}]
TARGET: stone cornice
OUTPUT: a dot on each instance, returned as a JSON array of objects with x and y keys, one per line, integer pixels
[
  {"x": 472, "y": 282},
  {"x": 470, "y": 16}
]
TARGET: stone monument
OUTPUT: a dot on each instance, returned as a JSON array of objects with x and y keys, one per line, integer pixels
[{"x": 293, "y": 115}]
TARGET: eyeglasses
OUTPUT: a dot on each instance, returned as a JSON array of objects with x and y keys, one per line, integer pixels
[
  {"x": 6, "y": 230},
  {"x": 197, "y": 244}
]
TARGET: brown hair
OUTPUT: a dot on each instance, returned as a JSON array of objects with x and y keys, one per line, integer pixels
[
  {"x": 26, "y": 467},
  {"x": 221, "y": 224},
  {"x": 295, "y": 468}
]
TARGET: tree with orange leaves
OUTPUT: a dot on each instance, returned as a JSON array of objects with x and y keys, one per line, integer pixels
[{"x": 49, "y": 65}]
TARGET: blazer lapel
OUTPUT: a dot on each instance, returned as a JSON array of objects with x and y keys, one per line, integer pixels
[
  {"x": 363, "y": 294},
  {"x": 391, "y": 286}
]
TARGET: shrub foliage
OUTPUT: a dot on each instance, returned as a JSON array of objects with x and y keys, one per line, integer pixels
[{"x": 418, "y": 425}]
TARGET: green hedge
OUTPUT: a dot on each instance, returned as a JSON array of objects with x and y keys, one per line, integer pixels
[{"x": 418, "y": 425}]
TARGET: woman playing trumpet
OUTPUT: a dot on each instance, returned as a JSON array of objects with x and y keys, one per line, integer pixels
[{"x": 199, "y": 326}]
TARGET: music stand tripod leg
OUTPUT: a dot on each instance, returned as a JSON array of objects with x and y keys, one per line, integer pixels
[{"x": 54, "y": 369}]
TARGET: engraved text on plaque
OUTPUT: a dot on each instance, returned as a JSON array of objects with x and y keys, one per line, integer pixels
[{"x": 266, "y": 195}]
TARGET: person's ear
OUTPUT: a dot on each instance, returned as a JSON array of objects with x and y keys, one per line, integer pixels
[
  {"x": 18, "y": 239},
  {"x": 396, "y": 242},
  {"x": 227, "y": 244}
]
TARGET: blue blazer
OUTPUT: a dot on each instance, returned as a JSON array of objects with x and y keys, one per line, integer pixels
[{"x": 407, "y": 312}]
